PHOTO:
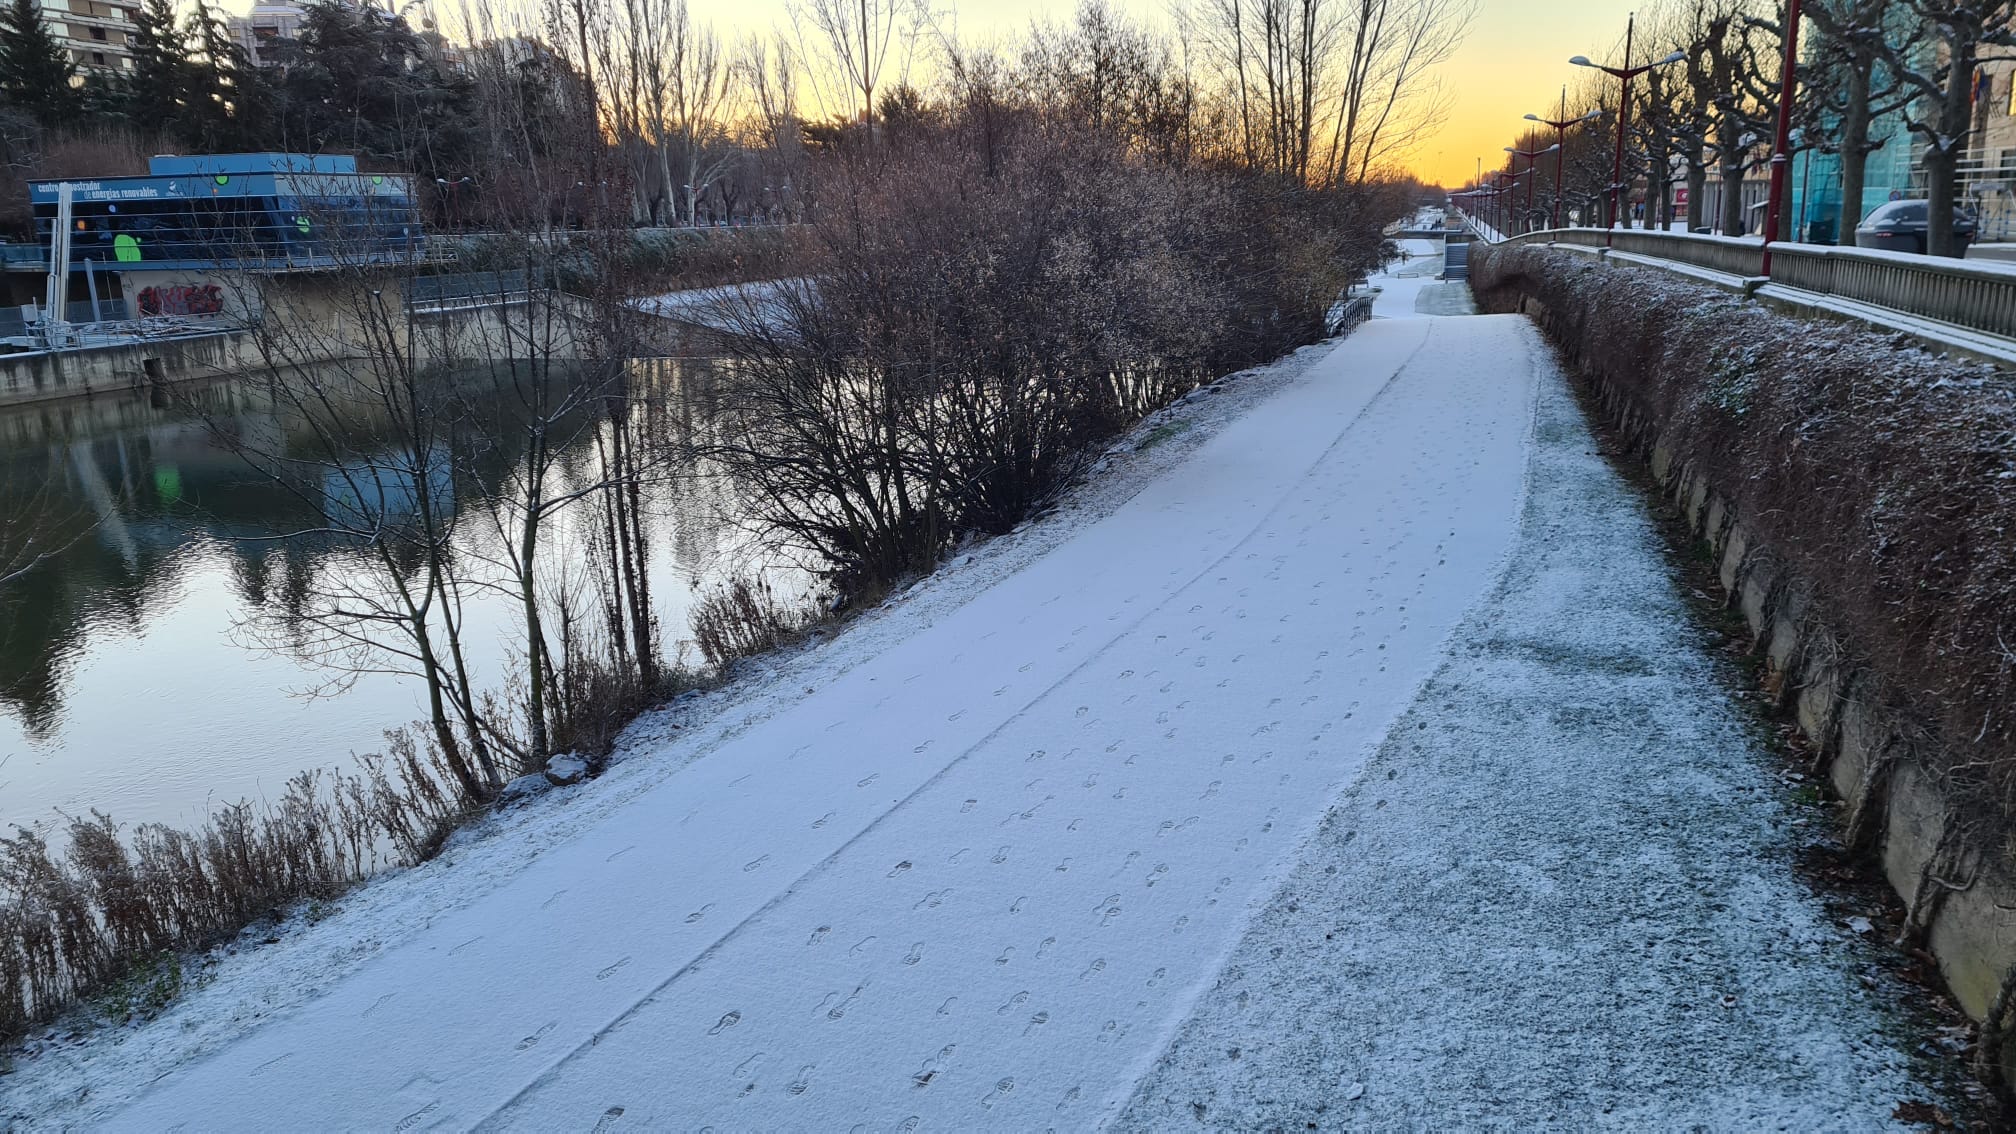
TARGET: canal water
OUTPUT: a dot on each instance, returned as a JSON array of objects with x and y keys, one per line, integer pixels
[{"x": 139, "y": 670}]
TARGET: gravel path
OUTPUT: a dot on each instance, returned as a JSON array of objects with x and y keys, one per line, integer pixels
[{"x": 1560, "y": 895}]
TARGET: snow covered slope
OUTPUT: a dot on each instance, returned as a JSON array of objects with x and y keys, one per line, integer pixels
[{"x": 980, "y": 877}]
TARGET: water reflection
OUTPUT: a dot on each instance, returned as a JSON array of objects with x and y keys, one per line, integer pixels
[{"x": 128, "y": 680}]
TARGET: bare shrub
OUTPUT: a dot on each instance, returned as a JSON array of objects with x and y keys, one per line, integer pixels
[
  {"x": 79, "y": 922},
  {"x": 994, "y": 289},
  {"x": 743, "y": 618},
  {"x": 1880, "y": 477}
]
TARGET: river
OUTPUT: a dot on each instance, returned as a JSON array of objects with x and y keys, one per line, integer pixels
[{"x": 134, "y": 674}]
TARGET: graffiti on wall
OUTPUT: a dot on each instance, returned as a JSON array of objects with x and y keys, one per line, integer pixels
[{"x": 198, "y": 299}]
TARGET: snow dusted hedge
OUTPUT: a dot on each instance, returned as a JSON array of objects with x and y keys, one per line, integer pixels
[{"x": 1881, "y": 477}]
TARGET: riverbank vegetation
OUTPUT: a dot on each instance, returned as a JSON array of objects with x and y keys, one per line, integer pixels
[{"x": 991, "y": 276}]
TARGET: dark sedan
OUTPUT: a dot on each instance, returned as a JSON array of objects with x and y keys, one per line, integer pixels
[{"x": 1899, "y": 226}]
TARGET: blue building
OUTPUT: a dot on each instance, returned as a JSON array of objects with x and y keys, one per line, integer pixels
[{"x": 267, "y": 211}]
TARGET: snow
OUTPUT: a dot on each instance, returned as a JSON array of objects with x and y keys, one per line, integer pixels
[
  {"x": 1560, "y": 896},
  {"x": 979, "y": 860},
  {"x": 724, "y": 308}
]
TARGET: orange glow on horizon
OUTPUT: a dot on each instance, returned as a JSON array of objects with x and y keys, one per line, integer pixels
[{"x": 1513, "y": 60}]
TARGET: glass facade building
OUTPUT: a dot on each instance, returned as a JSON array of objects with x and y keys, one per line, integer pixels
[{"x": 272, "y": 211}]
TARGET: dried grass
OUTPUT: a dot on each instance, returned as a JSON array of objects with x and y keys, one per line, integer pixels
[
  {"x": 83, "y": 921},
  {"x": 743, "y": 618}
]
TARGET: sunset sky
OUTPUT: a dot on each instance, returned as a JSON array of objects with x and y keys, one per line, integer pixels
[{"x": 1513, "y": 60}]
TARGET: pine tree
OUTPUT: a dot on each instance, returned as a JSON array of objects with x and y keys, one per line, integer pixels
[
  {"x": 158, "y": 86},
  {"x": 36, "y": 73}
]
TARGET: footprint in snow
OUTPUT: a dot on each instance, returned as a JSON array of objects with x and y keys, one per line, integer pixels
[
  {"x": 819, "y": 935},
  {"x": 899, "y": 868},
  {"x": 696, "y": 915},
  {"x": 532, "y": 1040},
  {"x": 1000, "y": 1090},
  {"x": 915, "y": 954}
]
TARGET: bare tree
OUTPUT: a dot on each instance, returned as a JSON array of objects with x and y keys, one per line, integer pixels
[
  {"x": 1327, "y": 91},
  {"x": 849, "y": 42},
  {"x": 1855, "y": 84},
  {"x": 1942, "y": 115}
]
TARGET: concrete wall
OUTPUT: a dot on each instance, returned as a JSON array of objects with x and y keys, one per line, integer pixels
[{"x": 41, "y": 376}]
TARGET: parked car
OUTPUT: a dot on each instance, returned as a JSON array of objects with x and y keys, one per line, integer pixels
[{"x": 1899, "y": 226}]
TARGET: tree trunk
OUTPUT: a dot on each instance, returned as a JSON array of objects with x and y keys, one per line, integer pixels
[
  {"x": 1731, "y": 220},
  {"x": 1697, "y": 193},
  {"x": 1854, "y": 149},
  {"x": 1942, "y": 158}
]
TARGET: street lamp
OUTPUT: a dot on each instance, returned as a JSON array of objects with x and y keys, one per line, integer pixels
[
  {"x": 1532, "y": 156},
  {"x": 1625, "y": 74},
  {"x": 1781, "y": 151},
  {"x": 1561, "y": 125}
]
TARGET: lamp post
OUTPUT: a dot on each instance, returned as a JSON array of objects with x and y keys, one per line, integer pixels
[
  {"x": 1561, "y": 125},
  {"x": 1625, "y": 74},
  {"x": 1781, "y": 150},
  {"x": 1531, "y": 156}
]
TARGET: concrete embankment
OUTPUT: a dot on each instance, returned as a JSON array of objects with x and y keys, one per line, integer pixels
[
  {"x": 1857, "y": 496},
  {"x": 46, "y": 375}
]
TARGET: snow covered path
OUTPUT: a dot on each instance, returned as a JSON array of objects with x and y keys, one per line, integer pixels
[
  {"x": 1560, "y": 896},
  {"x": 980, "y": 878}
]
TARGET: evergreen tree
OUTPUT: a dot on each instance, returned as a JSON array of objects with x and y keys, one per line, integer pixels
[
  {"x": 36, "y": 74},
  {"x": 158, "y": 87},
  {"x": 224, "y": 100}
]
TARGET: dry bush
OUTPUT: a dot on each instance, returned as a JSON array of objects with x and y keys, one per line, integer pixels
[
  {"x": 75, "y": 923},
  {"x": 992, "y": 294},
  {"x": 1883, "y": 478},
  {"x": 743, "y": 618}
]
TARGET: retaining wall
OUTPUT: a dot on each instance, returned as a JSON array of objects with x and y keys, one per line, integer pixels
[{"x": 44, "y": 375}]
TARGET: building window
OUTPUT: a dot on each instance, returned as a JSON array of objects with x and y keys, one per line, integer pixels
[
  {"x": 98, "y": 34},
  {"x": 98, "y": 58}
]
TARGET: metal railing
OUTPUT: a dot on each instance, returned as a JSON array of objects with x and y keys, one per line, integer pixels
[
  {"x": 1980, "y": 296},
  {"x": 1733, "y": 255},
  {"x": 1974, "y": 295}
]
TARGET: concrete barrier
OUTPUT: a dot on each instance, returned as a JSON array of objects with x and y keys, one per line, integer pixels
[{"x": 43, "y": 375}]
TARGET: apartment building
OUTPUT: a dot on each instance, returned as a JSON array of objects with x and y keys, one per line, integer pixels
[
  {"x": 97, "y": 33},
  {"x": 267, "y": 22}
]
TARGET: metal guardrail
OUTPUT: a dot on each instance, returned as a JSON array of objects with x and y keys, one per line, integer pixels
[
  {"x": 1732, "y": 255},
  {"x": 1974, "y": 295},
  {"x": 1979, "y": 296},
  {"x": 430, "y": 290}
]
